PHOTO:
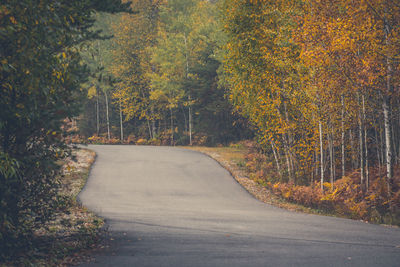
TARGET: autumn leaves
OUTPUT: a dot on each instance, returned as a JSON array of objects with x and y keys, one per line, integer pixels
[{"x": 319, "y": 81}]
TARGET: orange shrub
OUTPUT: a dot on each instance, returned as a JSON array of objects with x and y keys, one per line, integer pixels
[
  {"x": 346, "y": 198},
  {"x": 141, "y": 141}
]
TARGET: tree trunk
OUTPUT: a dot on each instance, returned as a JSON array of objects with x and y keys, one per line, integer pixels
[
  {"x": 97, "y": 113},
  {"x": 388, "y": 141},
  {"x": 185, "y": 120},
  {"x": 149, "y": 128},
  {"x": 190, "y": 99},
  {"x": 153, "y": 128},
  {"x": 365, "y": 144},
  {"x": 172, "y": 127},
  {"x": 316, "y": 160},
  {"x": 108, "y": 118},
  {"x": 190, "y": 121},
  {"x": 289, "y": 145},
  {"x": 120, "y": 120},
  {"x": 398, "y": 138},
  {"x": 342, "y": 141},
  {"x": 330, "y": 158},
  {"x": 361, "y": 146},
  {"x": 312, "y": 171},
  {"x": 288, "y": 164},
  {"x": 381, "y": 144},
  {"x": 386, "y": 109},
  {"x": 322, "y": 155},
  {"x": 378, "y": 153},
  {"x": 394, "y": 152},
  {"x": 353, "y": 161},
  {"x": 276, "y": 159}
]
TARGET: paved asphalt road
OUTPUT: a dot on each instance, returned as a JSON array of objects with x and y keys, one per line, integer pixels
[{"x": 173, "y": 207}]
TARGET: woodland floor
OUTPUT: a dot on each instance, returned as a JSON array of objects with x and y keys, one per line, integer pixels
[{"x": 74, "y": 232}]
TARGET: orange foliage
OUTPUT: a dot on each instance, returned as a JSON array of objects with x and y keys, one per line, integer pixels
[{"x": 345, "y": 197}]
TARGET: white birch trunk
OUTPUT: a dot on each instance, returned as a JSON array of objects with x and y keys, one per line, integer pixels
[
  {"x": 172, "y": 127},
  {"x": 121, "y": 121},
  {"x": 190, "y": 99},
  {"x": 361, "y": 148},
  {"x": 388, "y": 141},
  {"x": 108, "y": 118},
  {"x": 97, "y": 113},
  {"x": 342, "y": 143},
  {"x": 322, "y": 155},
  {"x": 276, "y": 159},
  {"x": 386, "y": 108},
  {"x": 365, "y": 145},
  {"x": 190, "y": 121}
]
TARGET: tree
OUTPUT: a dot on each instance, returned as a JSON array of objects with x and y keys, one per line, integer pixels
[
  {"x": 135, "y": 37},
  {"x": 164, "y": 60},
  {"x": 349, "y": 43},
  {"x": 41, "y": 75},
  {"x": 262, "y": 72}
]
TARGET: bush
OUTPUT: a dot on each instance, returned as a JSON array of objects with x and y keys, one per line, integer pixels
[
  {"x": 28, "y": 197},
  {"x": 345, "y": 198},
  {"x": 141, "y": 141},
  {"x": 41, "y": 76},
  {"x": 154, "y": 142}
]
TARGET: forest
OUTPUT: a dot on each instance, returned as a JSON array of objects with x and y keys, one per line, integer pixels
[
  {"x": 319, "y": 80},
  {"x": 315, "y": 84},
  {"x": 157, "y": 79}
]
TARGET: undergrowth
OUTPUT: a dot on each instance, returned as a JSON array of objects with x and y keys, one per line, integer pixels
[
  {"x": 72, "y": 231},
  {"x": 345, "y": 197}
]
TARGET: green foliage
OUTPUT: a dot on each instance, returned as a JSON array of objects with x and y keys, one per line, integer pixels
[
  {"x": 41, "y": 75},
  {"x": 163, "y": 63}
]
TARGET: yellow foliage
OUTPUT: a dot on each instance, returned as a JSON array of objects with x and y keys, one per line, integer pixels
[
  {"x": 141, "y": 141},
  {"x": 92, "y": 92},
  {"x": 328, "y": 185},
  {"x": 287, "y": 194}
]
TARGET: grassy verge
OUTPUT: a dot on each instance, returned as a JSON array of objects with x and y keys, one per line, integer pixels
[
  {"x": 233, "y": 159},
  {"x": 74, "y": 231}
]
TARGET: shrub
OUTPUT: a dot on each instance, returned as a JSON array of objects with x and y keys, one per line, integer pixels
[
  {"x": 344, "y": 198},
  {"x": 141, "y": 141},
  {"x": 155, "y": 142}
]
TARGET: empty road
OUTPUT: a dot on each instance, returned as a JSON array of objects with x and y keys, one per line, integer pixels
[{"x": 168, "y": 206}]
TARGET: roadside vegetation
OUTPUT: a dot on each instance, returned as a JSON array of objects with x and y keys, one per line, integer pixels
[
  {"x": 72, "y": 232},
  {"x": 250, "y": 167},
  {"x": 41, "y": 73},
  {"x": 314, "y": 83}
]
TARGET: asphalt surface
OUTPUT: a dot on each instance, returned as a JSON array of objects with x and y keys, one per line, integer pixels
[{"x": 168, "y": 206}]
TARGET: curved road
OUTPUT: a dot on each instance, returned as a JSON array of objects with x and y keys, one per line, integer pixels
[{"x": 173, "y": 207}]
